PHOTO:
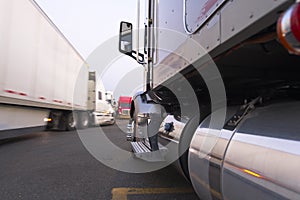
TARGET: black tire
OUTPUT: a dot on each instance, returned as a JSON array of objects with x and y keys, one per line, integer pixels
[
  {"x": 92, "y": 122},
  {"x": 55, "y": 123},
  {"x": 84, "y": 120},
  {"x": 71, "y": 122},
  {"x": 50, "y": 124}
]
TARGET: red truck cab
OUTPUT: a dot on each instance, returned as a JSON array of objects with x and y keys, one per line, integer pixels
[{"x": 124, "y": 106}]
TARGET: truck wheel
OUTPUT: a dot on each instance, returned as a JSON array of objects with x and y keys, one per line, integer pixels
[
  {"x": 92, "y": 122},
  {"x": 55, "y": 121},
  {"x": 50, "y": 124},
  {"x": 84, "y": 120},
  {"x": 71, "y": 121}
]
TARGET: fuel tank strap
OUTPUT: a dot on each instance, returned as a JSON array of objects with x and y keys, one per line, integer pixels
[
  {"x": 241, "y": 113},
  {"x": 216, "y": 156}
]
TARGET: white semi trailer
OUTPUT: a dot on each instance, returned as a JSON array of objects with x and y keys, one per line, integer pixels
[
  {"x": 223, "y": 92},
  {"x": 43, "y": 79}
]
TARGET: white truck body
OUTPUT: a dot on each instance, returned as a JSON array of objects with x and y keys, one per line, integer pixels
[
  {"x": 39, "y": 68},
  {"x": 103, "y": 112},
  {"x": 212, "y": 24}
]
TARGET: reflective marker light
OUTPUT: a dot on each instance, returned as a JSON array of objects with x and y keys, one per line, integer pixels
[
  {"x": 47, "y": 119},
  {"x": 288, "y": 29},
  {"x": 252, "y": 173}
]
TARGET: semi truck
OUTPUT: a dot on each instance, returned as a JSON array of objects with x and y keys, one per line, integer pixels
[
  {"x": 124, "y": 106},
  {"x": 222, "y": 93},
  {"x": 110, "y": 98},
  {"x": 43, "y": 79},
  {"x": 99, "y": 108}
]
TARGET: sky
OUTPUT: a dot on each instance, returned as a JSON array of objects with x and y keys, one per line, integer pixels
[{"x": 88, "y": 24}]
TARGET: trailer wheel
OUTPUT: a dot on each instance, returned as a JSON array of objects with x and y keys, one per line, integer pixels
[
  {"x": 92, "y": 122},
  {"x": 84, "y": 120},
  {"x": 71, "y": 121},
  {"x": 50, "y": 123},
  {"x": 55, "y": 120}
]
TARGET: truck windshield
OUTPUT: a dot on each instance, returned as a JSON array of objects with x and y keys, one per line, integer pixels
[{"x": 125, "y": 105}]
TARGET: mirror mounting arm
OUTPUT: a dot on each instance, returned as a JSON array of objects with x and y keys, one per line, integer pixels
[{"x": 140, "y": 58}]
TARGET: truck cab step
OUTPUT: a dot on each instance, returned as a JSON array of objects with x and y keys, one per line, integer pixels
[{"x": 143, "y": 151}]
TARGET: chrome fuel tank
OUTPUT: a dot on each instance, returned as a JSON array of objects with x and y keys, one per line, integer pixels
[{"x": 260, "y": 159}]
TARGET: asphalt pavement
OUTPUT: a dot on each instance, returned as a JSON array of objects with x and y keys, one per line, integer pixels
[{"x": 56, "y": 165}]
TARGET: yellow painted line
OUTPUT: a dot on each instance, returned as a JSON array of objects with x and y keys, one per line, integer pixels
[{"x": 122, "y": 193}]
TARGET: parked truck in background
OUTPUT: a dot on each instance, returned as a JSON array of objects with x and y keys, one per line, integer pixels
[
  {"x": 255, "y": 46},
  {"x": 110, "y": 98},
  {"x": 100, "y": 110},
  {"x": 124, "y": 106},
  {"x": 43, "y": 79}
]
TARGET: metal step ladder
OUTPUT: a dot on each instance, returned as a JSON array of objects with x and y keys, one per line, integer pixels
[{"x": 143, "y": 151}]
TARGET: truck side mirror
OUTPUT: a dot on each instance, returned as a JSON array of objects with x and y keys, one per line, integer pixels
[{"x": 125, "y": 38}]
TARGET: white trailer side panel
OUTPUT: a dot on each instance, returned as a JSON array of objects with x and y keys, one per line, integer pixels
[{"x": 38, "y": 66}]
